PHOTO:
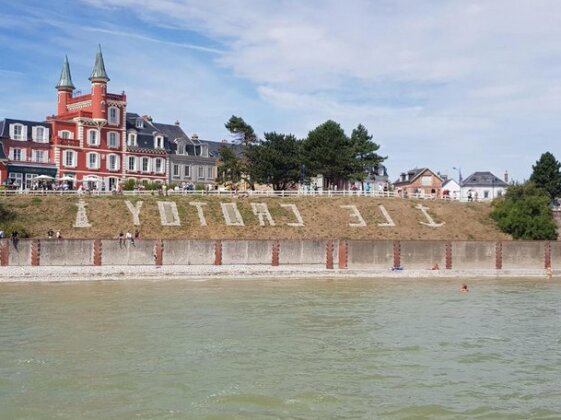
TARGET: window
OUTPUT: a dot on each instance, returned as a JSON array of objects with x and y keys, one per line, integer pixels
[
  {"x": 113, "y": 115},
  {"x": 65, "y": 134},
  {"x": 113, "y": 139},
  {"x": 158, "y": 142},
  {"x": 175, "y": 171},
  {"x": 210, "y": 172},
  {"x": 93, "y": 137},
  {"x": 201, "y": 172},
  {"x": 69, "y": 158},
  {"x": 18, "y": 132},
  {"x": 426, "y": 180},
  {"x": 180, "y": 149},
  {"x": 92, "y": 160},
  {"x": 113, "y": 162},
  {"x": 40, "y": 134},
  {"x": 158, "y": 167},
  {"x": 145, "y": 164},
  {"x": 17, "y": 154},
  {"x": 187, "y": 170},
  {"x": 486, "y": 194},
  {"x": 15, "y": 178},
  {"x": 139, "y": 123},
  {"x": 131, "y": 139},
  {"x": 40, "y": 156},
  {"x": 132, "y": 163}
]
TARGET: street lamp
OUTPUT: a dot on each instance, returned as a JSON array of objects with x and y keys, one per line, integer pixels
[{"x": 459, "y": 179}]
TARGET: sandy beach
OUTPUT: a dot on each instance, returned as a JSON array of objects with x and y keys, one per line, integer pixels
[{"x": 240, "y": 272}]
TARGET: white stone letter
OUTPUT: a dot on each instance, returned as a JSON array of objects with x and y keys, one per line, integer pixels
[
  {"x": 431, "y": 222},
  {"x": 82, "y": 216},
  {"x": 199, "y": 205},
  {"x": 262, "y": 211},
  {"x": 232, "y": 216},
  {"x": 135, "y": 211},
  {"x": 296, "y": 213},
  {"x": 356, "y": 215},
  {"x": 168, "y": 213},
  {"x": 389, "y": 221}
]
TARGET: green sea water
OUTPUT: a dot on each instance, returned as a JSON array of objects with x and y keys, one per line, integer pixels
[{"x": 306, "y": 349}]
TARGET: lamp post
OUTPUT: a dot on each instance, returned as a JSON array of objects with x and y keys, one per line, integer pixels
[{"x": 459, "y": 179}]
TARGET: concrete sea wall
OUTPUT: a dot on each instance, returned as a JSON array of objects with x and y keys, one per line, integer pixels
[{"x": 341, "y": 254}]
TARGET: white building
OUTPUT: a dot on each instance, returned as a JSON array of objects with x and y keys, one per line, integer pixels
[
  {"x": 451, "y": 189},
  {"x": 483, "y": 186}
]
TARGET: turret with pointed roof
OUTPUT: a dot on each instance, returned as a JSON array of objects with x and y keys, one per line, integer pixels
[
  {"x": 65, "y": 81},
  {"x": 98, "y": 73}
]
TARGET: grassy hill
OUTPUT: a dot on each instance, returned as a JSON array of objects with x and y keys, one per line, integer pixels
[{"x": 323, "y": 218}]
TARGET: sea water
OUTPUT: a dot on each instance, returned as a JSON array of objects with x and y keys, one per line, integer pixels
[{"x": 288, "y": 349}]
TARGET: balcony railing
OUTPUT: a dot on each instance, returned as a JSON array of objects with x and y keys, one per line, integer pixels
[{"x": 32, "y": 160}]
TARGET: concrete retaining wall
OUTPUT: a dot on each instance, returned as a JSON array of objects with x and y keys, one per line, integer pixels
[
  {"x": 370, "y": 254},
  {"x": 303, "y": 252},
  {"x": 247, "y": 252},
  {"x": 418, "y": 255},
  {"x": 523, "y": 254},
  {"x": 472, "y": 255},
  {"x": 188, "y": 252},
  {"x": 66, "y": 252},
  {"x": 20, "y": 256},
  {"x": 556, "y": 255},
  {"x": 140, "y": 254}
]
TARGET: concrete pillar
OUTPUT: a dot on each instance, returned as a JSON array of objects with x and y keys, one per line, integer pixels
[
  {"x": 448, "y": 255},
  {"x": 343, "y": 253},
  {"x": 4, "y": 252},
  {"x": 35, "y": 252},
  {"x": 329, "y": 255},
  {"x": 218, "y": 252},
  {"x": 547, "y": 255},
  {"x": 499, "y": 255},
  {"x": 97, "y": 252},
  {"x": 276, "y": 254},
  {"x": 396, "y": 254}
]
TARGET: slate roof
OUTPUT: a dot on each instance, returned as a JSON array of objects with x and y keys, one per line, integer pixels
[
  {"x": 98, "y": 72},
  {"x": 5, "y": 127},
  {"x": 145, "y": 135},
  {"x": 65, "y": 81},
  {"x": 2, "y": 154},
  {"x": 483, "y": 179},
  {"x": 413, "y": 174}
]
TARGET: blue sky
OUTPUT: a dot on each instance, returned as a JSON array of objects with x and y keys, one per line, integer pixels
[{"x": 474, "y": 85}]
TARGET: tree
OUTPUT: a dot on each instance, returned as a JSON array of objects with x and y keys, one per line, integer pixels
[
  {"x": 231, "y": 168},
  {"x": 547, "y": 176},
  {"x": 364, "y": 152},
  {"x": 327, "y": 150},
  {"x": 275, "y": 161},
  {"x": 524, "y": 213},
  {"x": 242, "y": 131}
]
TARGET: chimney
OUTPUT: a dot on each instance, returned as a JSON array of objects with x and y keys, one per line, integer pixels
[
  {"x": 506, "y": 177},
  {"x": 177, "y": 123},
  {"x": 194, "y": 136}
]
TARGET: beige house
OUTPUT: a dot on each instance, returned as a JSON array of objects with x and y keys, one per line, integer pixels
[{"x": 419, "y": 183}]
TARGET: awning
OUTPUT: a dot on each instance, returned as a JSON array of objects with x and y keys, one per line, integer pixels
[{"x": 36, "y": 170}]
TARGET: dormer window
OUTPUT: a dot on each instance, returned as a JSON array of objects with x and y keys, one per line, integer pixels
[
  {"x": 93, "y": 137},
  {"x": 113, "y": 115},
  {"x": 40, "y": 134},
  {"x": 131, "y": 140},
  {"x": 18, "y": 132},
  {"x": 139, "y": 123},
  {"x": 158, "y": 142}
]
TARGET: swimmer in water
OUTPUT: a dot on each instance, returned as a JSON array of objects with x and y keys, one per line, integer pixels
[{"x": 464, "y": 288}]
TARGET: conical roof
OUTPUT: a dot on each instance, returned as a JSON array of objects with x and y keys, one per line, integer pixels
[
  {"x": 65, "y": 81},
  {"x": 98, "y": 72}
]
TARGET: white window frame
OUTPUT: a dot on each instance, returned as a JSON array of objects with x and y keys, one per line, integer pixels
[
  {"x": 20, "y": 154},
  {"x": 142, "y": 162},
  {"x": 131, "y": 139},
  {"x": 187, "y": 171},
  {"x": 158, "y": 142},
  {"x": 36, "y": 130},
  {"x": 95, "y": 138},
  {"x": 139, "y": 122},
  {"x": 161, "y": 169},
  {"x": 116, "y": 145},
  {"x": 22, "y": 135},
  {"x": 73, "y": 158},
  {"x": 44, "y": 156},
  {"x": 175, "y": 170},
  {"x": 113, "y": 120},
  {"x": 201, "y": 172},
  {"x": 108, "y": 160},
  {"x": 96, "y": 164},
  {"x": 66, "y": 134},
  {"x": 426, "y": 180},
  {"x": 133, "y": 159}
]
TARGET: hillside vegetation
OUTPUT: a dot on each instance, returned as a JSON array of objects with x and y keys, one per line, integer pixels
[{"x": 323, "y": 217}]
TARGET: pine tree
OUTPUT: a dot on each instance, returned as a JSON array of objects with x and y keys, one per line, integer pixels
[{"x": 546, "y": 175}]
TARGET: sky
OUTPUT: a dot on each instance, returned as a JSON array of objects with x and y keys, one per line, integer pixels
[{"x": 450, "y": 85}]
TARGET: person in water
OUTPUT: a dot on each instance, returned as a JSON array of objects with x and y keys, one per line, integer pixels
[{"x": 464, "y": 288}]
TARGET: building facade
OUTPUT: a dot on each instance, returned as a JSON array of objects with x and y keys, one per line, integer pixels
[
  {"x": 419, "y": 182},
  {"x": 483, "y": 186}
]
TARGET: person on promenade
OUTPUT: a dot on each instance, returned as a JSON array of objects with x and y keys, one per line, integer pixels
[
  {"x": 464, "y": 288},
  {"x": 58, "y": 235},
  {"x": 15, "y": 239},
  {"x": 130, "y": 239},
  {"x": 50, "y": 234},
  {"x": 136, "y": 234},
  {"x": 121, "y": 239},
  {"x": 1, "y": 234}
]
